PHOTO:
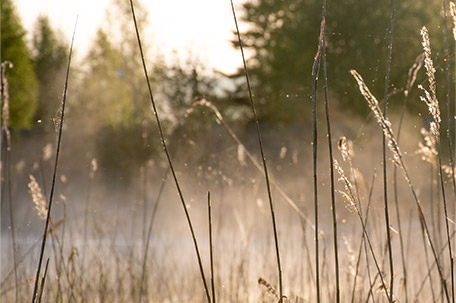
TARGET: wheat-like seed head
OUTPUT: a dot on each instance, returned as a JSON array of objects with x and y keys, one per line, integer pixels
[
  {"x": 345, "y": 147},
  {"x": 93, "y": 168},
  {"x": 430, "y": 97},
  {"x": 241, "y": 155},
  {"x": 38, "y": 198},
  {"x": 448, "y": 170},
  {"x": 381, "y": 119},
  {"x": 413, "y": 71},
  {"x": 5, "y": 97},
  {"x": 453, "y": 16},
  {"x": 269, "y": 288},
  {"x": 47, "y": 152},
  {"x": 348, "y": 194},
  {"x": 428, "y": 150}
]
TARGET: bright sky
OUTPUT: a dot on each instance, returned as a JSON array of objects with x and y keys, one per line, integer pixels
[{"x": 201, "y": 27}]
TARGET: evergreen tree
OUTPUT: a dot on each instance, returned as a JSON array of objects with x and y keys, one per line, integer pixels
[
  {"x": 23, "y": 86},
  {"x": 283, "y": 38},
  {"x": 112, "y": 102},
  {"x": 50, "y": 66}
]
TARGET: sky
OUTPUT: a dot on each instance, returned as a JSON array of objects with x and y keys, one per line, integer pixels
[{"x": 202, "y": 28}]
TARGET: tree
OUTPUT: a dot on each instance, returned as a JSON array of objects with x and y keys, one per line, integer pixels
[
  {"x": 22, "y": 81},
  {"x": 50, "y": 60},
  {"x": 112, "y": 102},
  {"x": 282, "y": 37}
]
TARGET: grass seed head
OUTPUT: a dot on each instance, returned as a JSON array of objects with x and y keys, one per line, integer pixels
[
  {"x": 430, "y": 97},
  {"x": 453, "y": 16},
  {"x": 38, "y": 198}
]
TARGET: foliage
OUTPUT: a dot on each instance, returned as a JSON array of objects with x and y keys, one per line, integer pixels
[
  {"x": 50, "y": 65},
  {"x": 282, "y": 37},
  {"x": 22, "y": 81}
]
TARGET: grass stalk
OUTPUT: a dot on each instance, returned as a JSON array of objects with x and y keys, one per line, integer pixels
[
  {"x": 331, "y": 164},
  {"x": 363, "y": 243},
  {"x": 43, "y": 280},
  {"x": 149, "y": 233},
  {"x": 7, "y": 139},
  {"x": 351, "y": 199},
  {"x": 447, "y": 218},
  {"x": 168, "y": 156},
  {"x": 315, "y": 72},
  {"x": 450, "y": 143},
  {"x": 410, "y": 82},
  {"x": 385, "y": 172},
  {"x": 428, "y": 275},
  {"x": 211, "y": 247},
  {"x": 392, "y": 144},
  {"x": 59, "y": 141},
  {"x": 263, "y": 158}
]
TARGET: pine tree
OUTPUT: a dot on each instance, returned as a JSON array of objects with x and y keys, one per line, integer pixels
[
  {"x": 282, "y": 37},
  {"x": 50, "y": 65},
  {"x": 23, "y": 87}
]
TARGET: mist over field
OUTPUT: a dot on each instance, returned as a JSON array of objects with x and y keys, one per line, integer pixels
[{"x": 161, "y": 192}]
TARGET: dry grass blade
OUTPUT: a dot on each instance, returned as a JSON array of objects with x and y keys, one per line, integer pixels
[
  {"x": 350, "y": 197},
  {"x": 392, "y": 144},
  {"x": 59, "y": 141},
  {"x": 330, "y": 151},
  {"x": 263, "y": 158},
  {"x": 168, "y": 156},
  {"x": 5, "y": 115},
  {"x": 433, "y": 105}
]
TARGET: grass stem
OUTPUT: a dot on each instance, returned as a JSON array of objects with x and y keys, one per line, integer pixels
[
  {"x": 385, "y": 173},
  {"x": 168, "y": 156},
  {"x": 54, "y": 177},
  {"x": 331, "y": 159},
  {"x": 263, "y": 158}
]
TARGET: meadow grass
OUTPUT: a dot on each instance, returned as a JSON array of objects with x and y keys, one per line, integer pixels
[{"x": 110, "y": 255}]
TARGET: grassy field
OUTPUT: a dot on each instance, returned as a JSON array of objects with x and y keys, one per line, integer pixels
[{"x": 305, "y": 220}]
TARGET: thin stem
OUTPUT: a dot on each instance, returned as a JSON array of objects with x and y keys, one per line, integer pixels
[
  {"x": 149, "y": 233},
  {"x": 396, "y": 202},
  {"x": 168, "y": 156},
  {"x": 331, "y": 160},
  {"x": 59, "y": 141},
  {"x": 211, "y": 247},
  {"x": 43, "y": 280},
  {"x": 5, "y": 129},
  {"x": 445, "y": 208},
  {"x": 386, "y": 126},
  {"x": 263, "y": 158},
  {"x": 450, "y": 143},
  {"x": 315, "y": 72},
  {"x": 385, "y": 173}
]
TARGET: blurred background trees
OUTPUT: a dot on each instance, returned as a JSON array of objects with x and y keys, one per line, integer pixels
[
  {"x": 282, "y": 38},
  {"x": 109, "y": 100},
  {"x": 50, "y": 58},
  {"x": 23, "y": 86}
]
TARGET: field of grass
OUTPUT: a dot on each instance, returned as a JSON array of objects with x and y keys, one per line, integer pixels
[{"x": 336, "y": 213}]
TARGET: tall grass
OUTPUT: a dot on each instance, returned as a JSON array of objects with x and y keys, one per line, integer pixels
[
  {"x": 385, "y": 171},
  {"x": 168, "y": 156},
  {"x": 263, "y": 158},
  {"x": 114, "y": 267},
  {"x": 51, "y": 195}
]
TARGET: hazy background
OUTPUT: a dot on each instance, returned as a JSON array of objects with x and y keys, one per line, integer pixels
[{"x": 112, "y": 164}]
